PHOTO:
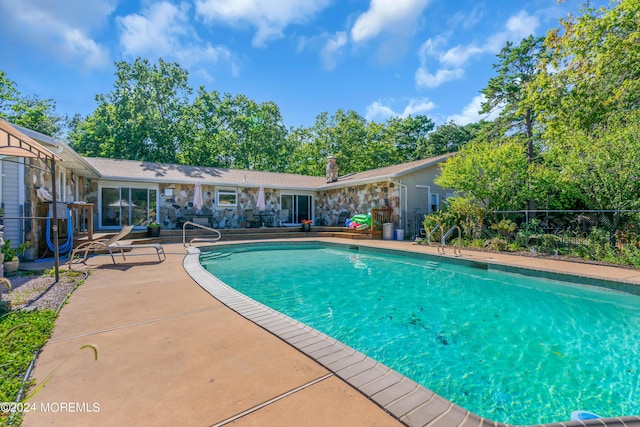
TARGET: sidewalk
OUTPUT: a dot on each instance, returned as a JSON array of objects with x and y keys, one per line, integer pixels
[{"x": 170, "y": 354}]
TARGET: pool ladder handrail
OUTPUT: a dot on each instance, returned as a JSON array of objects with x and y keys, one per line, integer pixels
[
  {"x": 444, "y": 238},
  {"x": 439, "y": 226},
  {"x": 198, "y": 239}
]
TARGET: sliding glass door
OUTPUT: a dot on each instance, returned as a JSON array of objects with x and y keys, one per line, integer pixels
[
  {"x": 127, "y": 206},
  {"x": 299, "y": 206}
]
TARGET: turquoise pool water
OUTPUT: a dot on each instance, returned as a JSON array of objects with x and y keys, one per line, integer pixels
[{"x": 508, "y": 347}]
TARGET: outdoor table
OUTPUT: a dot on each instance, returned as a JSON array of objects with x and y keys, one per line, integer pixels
[{"x": 266, "y": 219}]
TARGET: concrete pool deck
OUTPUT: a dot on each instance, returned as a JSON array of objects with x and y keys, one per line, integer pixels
[{"x": 170, "y": 354}]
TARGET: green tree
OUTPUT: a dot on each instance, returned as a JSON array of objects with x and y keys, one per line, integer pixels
[
  {"x": 234, "y": 131},
  {"x": 37, "y": 114},
  {"x": 141, "y": 118},
  {"x": 588, "y": 91},
  {"x": 448, "y": 138},
  {"x": 592, "y": 69},
  {"x": 28, "y": 111},
  {"x": 493, "y": 174},
  {"x": 517, "y": 66},
  {"x": 409, "y": 137},
  {"x": 8, "y": 95}
]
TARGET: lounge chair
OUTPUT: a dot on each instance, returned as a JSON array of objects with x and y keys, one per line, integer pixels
[{"x": 111, "y": 245}]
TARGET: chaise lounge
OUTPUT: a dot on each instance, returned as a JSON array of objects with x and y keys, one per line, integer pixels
[{"x": 111, "y": 245}]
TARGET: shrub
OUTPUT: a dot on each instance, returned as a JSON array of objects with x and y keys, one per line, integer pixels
[{"x": 504, "y": 228}]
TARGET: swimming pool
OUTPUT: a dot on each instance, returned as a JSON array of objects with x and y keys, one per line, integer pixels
[{"x": 508, "y": 347}]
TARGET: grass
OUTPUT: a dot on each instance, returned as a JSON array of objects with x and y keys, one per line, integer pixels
[{"x": 21, "y": 333}]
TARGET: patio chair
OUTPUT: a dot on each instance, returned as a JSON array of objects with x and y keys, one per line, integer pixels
[
  {"x": 283, "y": 217},
  {"x": 251, "y": 218},
  {"x": 342, "y": 218},
  {"x": 111, "y": 245}
]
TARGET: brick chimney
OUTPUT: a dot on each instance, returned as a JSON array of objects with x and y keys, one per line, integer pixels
[{"x": 332, "y": 169}]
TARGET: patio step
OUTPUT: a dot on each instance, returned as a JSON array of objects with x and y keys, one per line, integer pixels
[{"x": 231, "y": 234}]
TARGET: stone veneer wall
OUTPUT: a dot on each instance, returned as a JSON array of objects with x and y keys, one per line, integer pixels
[
  {"x": 358, "y": 199},
  {"x": 37, "y": 176},
  {"x": 183, "y": 195}
]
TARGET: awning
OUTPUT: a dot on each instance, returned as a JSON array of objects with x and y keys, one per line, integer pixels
[{"x": 16, "y": 144}]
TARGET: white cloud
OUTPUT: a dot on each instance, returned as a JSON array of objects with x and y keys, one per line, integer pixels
[
  {"x": 471, "y": 112},
  {"x": 331, "y": 49},
  {"x": 62, "y": 28},
  {"x": 426, "y": 79},
  {"x": 423, "y": 77},
  {"x": 269, "y": 17},
  {"x": 459, "y": 55},
  {"x": 163, "y": 30},
  {"x": 452, "y": 60},
  {"x": 418, "y": 106},
  {"x": 517, "y": 27},
  {"x": 395, "y": 16},
  {"x": 156, "y": 31},
  {"x": 377, "y": 110}
]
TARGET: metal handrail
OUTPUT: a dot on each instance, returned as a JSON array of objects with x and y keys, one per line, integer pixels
[
  {"x": 433, "y": 231},
  {"x": 198, "y": 239},
  {"x": 444, "y": 238}
]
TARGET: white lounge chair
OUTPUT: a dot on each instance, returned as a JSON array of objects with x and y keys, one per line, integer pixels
[{"x": 111, "y": 245}]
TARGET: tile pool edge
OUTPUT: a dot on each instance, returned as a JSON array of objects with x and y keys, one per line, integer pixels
[{"x": 401, "y": 397}]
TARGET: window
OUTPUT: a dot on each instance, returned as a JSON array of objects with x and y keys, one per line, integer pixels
[
  {"x": 434, "y": 202},
  {"x": 127, "y": 206},
  {"x": 226, "y": 198}
]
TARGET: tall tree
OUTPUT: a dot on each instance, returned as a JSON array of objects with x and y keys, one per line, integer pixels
[
  {"x": 234, "y": 131},
  {"x": 8, "y": 95},
  {"x": 448, "y": 138},
  {"x": 409, "y": 135},
  {"x": 141, "y": 118},
  {"x": 29, "y": 111},
  {"x": 517, "y": 67},
  {"x": 589, "y": 93},
  {"x": 37, "y": 114}
]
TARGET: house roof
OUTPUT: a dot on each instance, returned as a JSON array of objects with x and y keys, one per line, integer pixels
[
  {"x": 72, "y": 160},
  {"x": 133, "y": 170},
  {"x": 387, "y": 172}
]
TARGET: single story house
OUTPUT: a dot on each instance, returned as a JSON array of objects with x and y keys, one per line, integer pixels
[{"x": 121, "y": 192}]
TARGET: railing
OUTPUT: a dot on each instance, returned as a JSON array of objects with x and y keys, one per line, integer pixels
[
  {"x": 198, "y": 239},
  {"x": 379, "y": 217},
  {"x": 440, "y": 227},
  {"x": 444, "y": 239}
]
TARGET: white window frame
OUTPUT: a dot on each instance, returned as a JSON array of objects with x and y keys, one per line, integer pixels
[{"x": 226, "y": 192}]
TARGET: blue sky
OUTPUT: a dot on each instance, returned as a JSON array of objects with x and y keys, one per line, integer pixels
[{"x": 380, "y": 58}]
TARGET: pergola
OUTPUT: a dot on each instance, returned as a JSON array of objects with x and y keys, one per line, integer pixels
[{"x": 16, "y": 144}]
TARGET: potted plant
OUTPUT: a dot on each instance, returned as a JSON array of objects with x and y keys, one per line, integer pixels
[
  {"x": 306, "y": 224},
  {"x": 153, "y": 229},
  {"x": 10, "y": 258}
]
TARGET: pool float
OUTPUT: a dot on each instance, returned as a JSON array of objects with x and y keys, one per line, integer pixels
[
  {"x": 583, "y": 415},
  {"x": 359, "y": 219}
]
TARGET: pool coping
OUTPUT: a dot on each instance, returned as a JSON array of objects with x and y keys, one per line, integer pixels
[{"x": 401, "y": 397}]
